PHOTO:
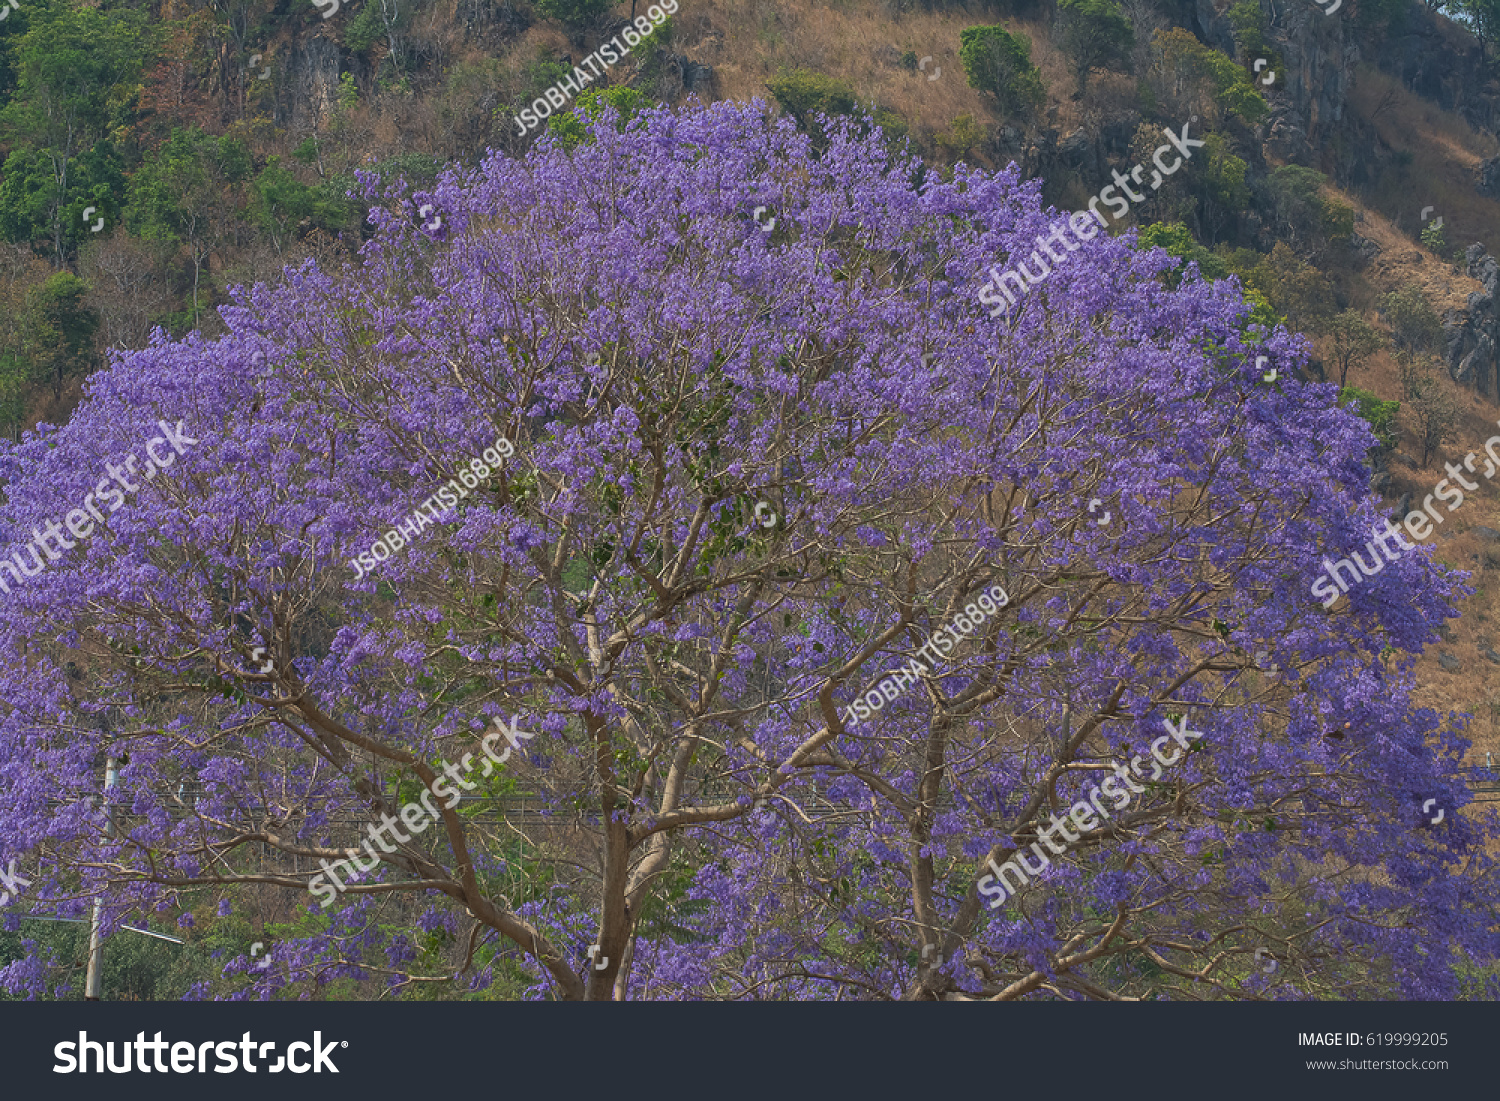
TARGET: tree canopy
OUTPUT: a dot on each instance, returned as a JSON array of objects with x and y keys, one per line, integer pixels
[{"x": 757, "y": 468}]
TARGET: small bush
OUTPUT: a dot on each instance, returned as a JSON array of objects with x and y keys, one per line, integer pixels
[
  {"x": 1432, "y": 237},
  {"x": 961, "y": 137}
]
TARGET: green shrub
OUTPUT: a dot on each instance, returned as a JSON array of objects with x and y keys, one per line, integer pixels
[
  {"x": 961, "y": 137},
  {"x": 1180, "y": 56},
  {"x": 803, "y": 94},
  {"x": 894, "y": 126},
  {"x": 571, "y": 126},
  {"x": 1249, "y": 24},
  {"x": 1432, "y": 237},
  {"x": 1302, "y": 214},
  {"x": 999, "y": 63},
  {"x": 1380, "y": 414},
  {"x": 1175, "y": 239}
]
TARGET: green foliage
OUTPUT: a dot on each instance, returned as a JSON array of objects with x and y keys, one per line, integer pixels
[
  {"x": 281, "y": 204},
  {"x": 894, "y": 126},
  {"x": 1249, "y": 24},
  {"x": 1432, "y": 237},
  {"x": 348, "y": 93},
  {"x": 1414, "y": 323},
  {"x": 1301, "y": 215},
  {"x": 60, "y": 329},
  {"x": 574, "y": 13},
  {"x": 167, "y": 193},
  {"x": 1182, "y": 58},
  {"x": 1296, "y": 290},
  {"x": 803, "y": 94},
  {"x": 961, "y": 137},
  {"x": 417, "y": 169},
  {"x": 365, "y": 29},
  {"x": 999, "y": 63},
  {"x": 538, "y": 74},
  {"x": 1224, "y": 174},
  {"x": 571, "y": 126},
  {"x": 1096, "y": 33},
  {"x": 660, "y": 37},
  {"x": 1175, "y": 239},
  {"x": 1380, "y": 414},
  {"x": 77, "y": 71}
]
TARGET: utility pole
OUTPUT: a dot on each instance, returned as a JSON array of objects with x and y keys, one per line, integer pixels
[{"x": 94, "y": 982}]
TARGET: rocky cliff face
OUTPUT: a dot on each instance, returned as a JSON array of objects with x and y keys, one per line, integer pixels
[
  {"x": 1313, "y": 76},
  {"x": 309, "y": 85},
  {"x": 1471, "y": 333}
]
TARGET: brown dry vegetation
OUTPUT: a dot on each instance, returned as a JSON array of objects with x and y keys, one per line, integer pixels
[{"x": 1445, "y": 151}]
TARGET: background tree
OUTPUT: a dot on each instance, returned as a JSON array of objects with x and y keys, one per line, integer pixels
[
  {"x": 1415, "y": 327},
  {"x": 1483, "y": 18},
  {"x": 1186, "y": 77},
  {"x": 1351, "y": 340},
  {"x": 1431, "y": 400},
  {"x": 76, "y": 70},
  {"x": 191, "y": 195},
  {"x": 718, "y": 821},
  {"x": 1295, "y": 289},
  {"x": 1096, "y": 33},
  {"x": 59, "y": 332},
  {"x": 999, "y": 63},
  {"x": 1305, "y": 220}
]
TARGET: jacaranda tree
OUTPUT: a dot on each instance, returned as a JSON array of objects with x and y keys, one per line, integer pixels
[{"x": 771, "y": 457}]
